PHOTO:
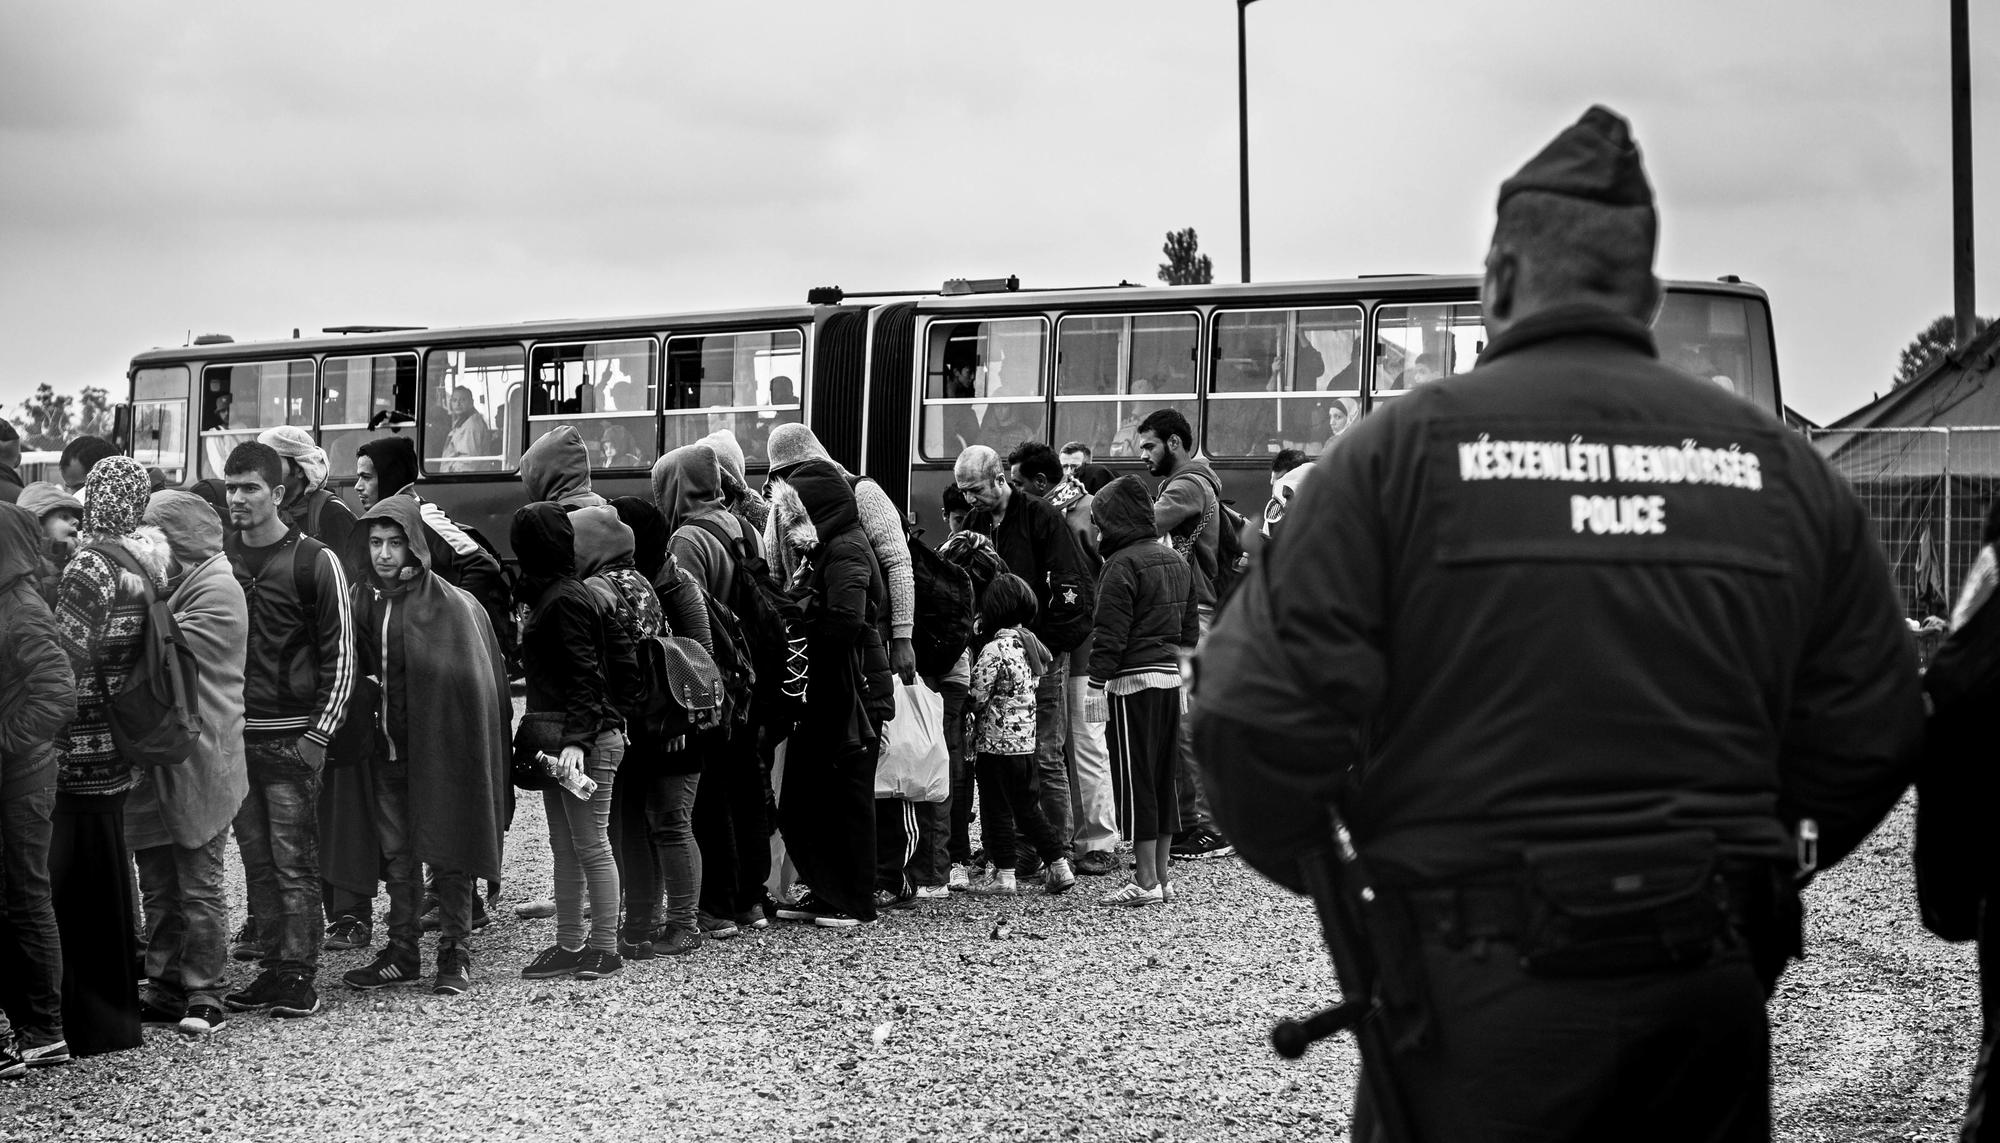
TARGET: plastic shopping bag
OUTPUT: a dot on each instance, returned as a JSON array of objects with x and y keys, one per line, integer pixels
[{"x": 914, "y": 763}]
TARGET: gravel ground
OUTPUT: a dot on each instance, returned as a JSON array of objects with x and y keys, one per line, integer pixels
[{"x": 1084, "y": 1023}]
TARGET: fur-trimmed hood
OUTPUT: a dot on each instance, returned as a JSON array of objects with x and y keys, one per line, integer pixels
[{"x": 789, "y": 534}]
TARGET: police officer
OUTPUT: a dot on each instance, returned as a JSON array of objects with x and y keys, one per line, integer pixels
[{"x": 1577, "y": 642}]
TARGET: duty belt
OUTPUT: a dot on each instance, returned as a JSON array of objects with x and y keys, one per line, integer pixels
[{"x": 1499, "y": 911}]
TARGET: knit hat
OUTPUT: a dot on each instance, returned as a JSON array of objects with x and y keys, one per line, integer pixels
[
  {"x": 192, "y": 528},
  {"x": 792, "y": 444},
  {"x": 295, "y": 444},
  {"x": 114, "y": 496},
  {"x": 43, "y": 497},
  {"x": 1594, "y": 159}
]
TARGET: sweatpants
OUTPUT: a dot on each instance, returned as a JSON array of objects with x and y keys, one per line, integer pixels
[
  {"x": 896, "y": 835},
  {"x": 1144, "y": 733}
]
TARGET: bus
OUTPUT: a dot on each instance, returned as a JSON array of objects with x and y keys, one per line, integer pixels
[
  {"x": 474, "y": 398},
  {"x": 893, "y": 385},
  {"x": 1255, "y": 368}
]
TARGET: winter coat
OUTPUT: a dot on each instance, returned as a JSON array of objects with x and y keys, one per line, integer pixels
[
  {"x": 101, "y": 614},
  {"x": 1040, "y": 548},
  {"x": 851, "y": 692},
  {"x": 431, "y": 651},
  {"x": 1145, "y": 595},
  {"x": 794, "y": 444},
  {"x": 1002, "y": 695},
  {"x": 687, "y": 486},
  {"x": 189, "y": 804},
  {"x": 570, "y": 649},
  {"x": 37, "y": 687},
  {"x": 1188, "y": 509},
  {"x": 557, "y": 468}
]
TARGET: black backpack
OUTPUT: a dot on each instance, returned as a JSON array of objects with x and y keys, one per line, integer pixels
[
  {"x": 156, "y": 716},
  {"x": 763, "y": 624},
  {"x": 679, "y": 691},
  {"x": 945, "y": 608},
  {"x": 1232, "y": 560}
]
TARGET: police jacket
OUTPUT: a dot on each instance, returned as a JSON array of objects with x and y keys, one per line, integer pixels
[{"x": 1569, "y": 595}]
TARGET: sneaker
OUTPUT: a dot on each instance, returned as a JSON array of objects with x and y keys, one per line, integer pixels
[
  {"x": 1028, "y": 867},
  {"x": 1060, "y": 878},
  {"x": 535, "y": 910},
  {"x": 806, "y": 908},
  {"x": 553, "y": 962},
  {"x": 480, "y": 917},
  {"x": 245, "y": 945},
  {"x": 595, "y": 964},
  {"x": 890, "y": 899},
  {"x": 1201, "y": 845},
  {"x": 933, "y": 892},
  {"x": 201, "y": 1019},
  {"x": 12, "y": 1066},
  {"x": 295, "y": 996},
  {"x": 1131, "y": 896},
  {"x": 636, "y": 950},
  {"x": 1097, "y": 863},
  {"x": 1000, "y": 884},
  {"x": 454, "y": 973},
  {"x": 348, "y": 933},
  {"x": 153, "y": 1014},
  {"x": 43, "y": 1055},
  {"x": 716, "y": 928},
  {"x": 838, "y": 921},
  {"x": 753, "y": 918},
  {"x": 392, "y": 966},
  {"x": 1166, "y": 890},
  {"x": 961, "y": 879},
  {"x": 258, "y": 996},
  {"x": 677, "y": 941}
]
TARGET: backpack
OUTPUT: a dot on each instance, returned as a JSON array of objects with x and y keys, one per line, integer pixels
[
  {"x": 156, "y": 717},
  {"x": 1232, "y": 560},
  {"x": 764, "y": 623},
  {"x": 680, "y": 689},
  {"x": 945, "y": 607}
]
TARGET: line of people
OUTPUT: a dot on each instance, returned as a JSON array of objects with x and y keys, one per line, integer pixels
[{"x": 356, "y": 727}]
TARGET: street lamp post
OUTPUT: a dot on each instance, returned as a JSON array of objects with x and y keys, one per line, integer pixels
[
  {"x": 1963, "y": 297},
  {"x": 1243, "y": 129}
]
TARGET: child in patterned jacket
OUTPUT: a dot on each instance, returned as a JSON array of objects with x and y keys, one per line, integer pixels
[{"x": 1003, "y": 701}]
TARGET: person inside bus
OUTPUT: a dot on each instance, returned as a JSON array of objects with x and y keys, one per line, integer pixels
[
  {"x": 10, "y": 463},
  {"x": 617, "y": 449},
  {"x": 216, "y": 416},
  {"x": 961, "y": 422},
  {"x": 469, "y": 435}
]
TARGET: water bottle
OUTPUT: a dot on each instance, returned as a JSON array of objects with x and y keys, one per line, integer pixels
[{"x": 575, "y": 781}]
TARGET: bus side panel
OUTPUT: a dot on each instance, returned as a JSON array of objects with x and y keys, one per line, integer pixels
[
  {"x": 891, "y": 444},
  {"x": 837, "y": 385}
]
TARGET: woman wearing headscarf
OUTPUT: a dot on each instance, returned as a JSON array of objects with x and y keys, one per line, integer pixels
[
  {"x": 827, "y": 808},
  {"x": 101, "y": 614},
  {"x": 573, "y": 654}
]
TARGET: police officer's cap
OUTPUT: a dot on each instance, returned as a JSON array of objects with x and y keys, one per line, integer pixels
[{"x": 1593, "y": 159}]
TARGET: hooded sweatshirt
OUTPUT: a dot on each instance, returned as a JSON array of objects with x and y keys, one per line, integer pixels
[
  {"x": 37, "y": 687},
  {"x": 687, "y": 487},
  {"x": 1146, "y": 607},
  {"x": 570, "y": 649},
  {"x": 431, "y": 651},
  {"x": 851, "y": 693},
  {"x": 1189, "y": 509},
  {"x": 680, "y": 594},
  {"x": 794, "y": 444},
  {"x": 189, "y": 804},
  {"x": 557, "y": 468},
  {"x": 735, "y": 486}
]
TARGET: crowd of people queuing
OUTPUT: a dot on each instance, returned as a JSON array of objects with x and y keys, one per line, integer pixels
[{"x": 356, "y": 728}]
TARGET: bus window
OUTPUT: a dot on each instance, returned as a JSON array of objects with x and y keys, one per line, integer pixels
[
  {"x": 353, "y": 391},
  {"x": 607, "y": 390},
  {"x": 240, "y": 401},
  {"x": 159, "y": 419},
  {"x": 747, "y": 383},
  {"x": 472, "y": 403},
  {"x": 1415, "y": 344},
  {"x": 983, "y": 384},
  {"x": 1150, "y": 358},
  {"x": 1262, "y": 358},
  {"x": 1724, "y": 340}
]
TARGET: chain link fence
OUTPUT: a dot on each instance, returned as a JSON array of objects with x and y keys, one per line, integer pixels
[{"x": 1927, "y": 490}]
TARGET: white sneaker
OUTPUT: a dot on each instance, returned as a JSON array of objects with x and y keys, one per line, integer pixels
[
  {"x": 961, "y": 879},
  {"x": 932, "y": 892},
  {"x": 1131, "y": 896},
  {"x": 1060, "y": 878},
  {"x": 1001, "y": 884},
  {"x": 1166, "y": 891}
]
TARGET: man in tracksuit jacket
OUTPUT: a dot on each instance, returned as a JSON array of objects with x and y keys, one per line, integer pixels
[{"x": 297, "y": 677}]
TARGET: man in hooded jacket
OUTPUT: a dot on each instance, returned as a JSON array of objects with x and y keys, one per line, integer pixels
[
  {"x": 37, "y": 699},
  {"x": 557, "y": 468},
  {"x": 437, "y": 749},
  {"x": 177, "y": 818}
]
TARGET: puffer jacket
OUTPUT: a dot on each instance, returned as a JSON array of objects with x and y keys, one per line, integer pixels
[
  {"x": 37, "y": 689},
  {"x": 1146, "y": 609}
]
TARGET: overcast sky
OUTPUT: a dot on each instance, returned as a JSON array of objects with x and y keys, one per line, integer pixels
[{"x": 248, "y": 169}]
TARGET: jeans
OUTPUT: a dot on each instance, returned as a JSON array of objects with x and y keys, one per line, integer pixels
[
  {"x": 579, "y": 838},
  {"x": 277, "y": 830},
  {"x": 1051, "y": 756},
  {"x": 652, "y": 836},
  {"x": 669, "y": 815},
  {"x": 958, "y": 847},
  {"x": 187, "y": 920},
  {"x": 1195, "y": 815},
  {"x": 1090, "y": 776},
  {"x": 1010, "y": 778},
  {"x": 31, "y": 956},
  {"x": 405, "y": 874}
]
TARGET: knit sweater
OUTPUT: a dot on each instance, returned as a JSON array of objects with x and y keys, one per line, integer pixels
[
  {"x": 101, "y": 619},
  {"x": 884, "y": 527}
]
